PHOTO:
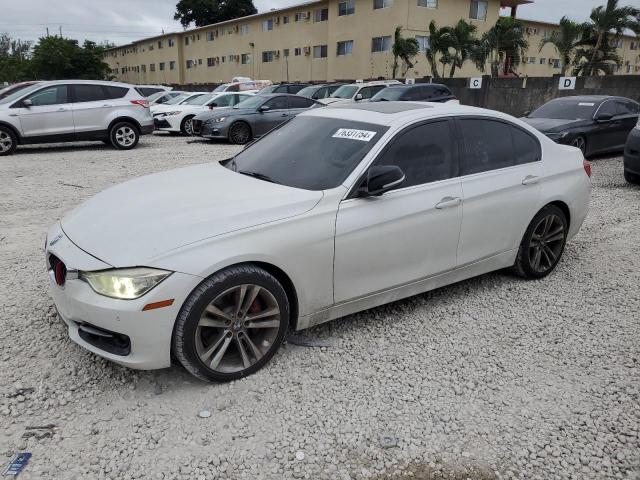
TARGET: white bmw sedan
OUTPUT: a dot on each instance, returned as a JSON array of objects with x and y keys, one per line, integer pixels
[{"x": 336, "y": 211}]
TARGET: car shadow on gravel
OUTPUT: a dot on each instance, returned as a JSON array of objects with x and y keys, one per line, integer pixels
[
  {"x": 440, "y": 472},
  {"x": 71, "y": 147}
]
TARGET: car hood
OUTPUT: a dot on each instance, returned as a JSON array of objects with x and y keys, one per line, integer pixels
[
  {"x": 227, "y": 111},
  {"x": 178, "y": 108},
  {"x": 331, "y": 101},
  {"x": 553, "y": 124},
  {"x": 132, "y": 223}
]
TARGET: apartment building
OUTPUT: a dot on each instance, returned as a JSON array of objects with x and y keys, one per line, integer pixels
[
  {"x": 546, "y": 61},
  {"x": 317, "y": 41},
  {"x": 323, "y": 40}
]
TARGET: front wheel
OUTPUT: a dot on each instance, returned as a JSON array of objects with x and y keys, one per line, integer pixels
[
  {"x": 8, "y": 141},
  {"x": 543, "y": 243},
  {"x": 629, "y": 177},
  {"x": 124, "y": 136},
  {"x": 239, "y": 133},
  {"x": 187, "y": 126},
  {"x": 581, "y": 143},
  {"x": 232, "y": 324}
]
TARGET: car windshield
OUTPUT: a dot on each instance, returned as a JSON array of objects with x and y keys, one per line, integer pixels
[
  {"x": 251, "y": 102},
  {"x": 176, "y": 100},
  {"x": 19, "y": 93},
  {"x": 309, "y": 91},
  {"x": 221, "y": 88},
  {"x": 312, "y": 153},
  {"x": 566, "y": 109},
  {"x": 269, "y": 89},
  {"x": 388, "y": 94},
  {"x": 199, "y": 100},
  {"x": 345, "y": 91}
]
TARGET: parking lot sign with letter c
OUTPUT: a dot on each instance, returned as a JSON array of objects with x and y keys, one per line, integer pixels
[
  {"x": 475, "y": 82},
  {"x": 567, "y": 83}
]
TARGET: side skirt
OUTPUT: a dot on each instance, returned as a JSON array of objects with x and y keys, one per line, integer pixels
[{"x": 496, "y": 262}]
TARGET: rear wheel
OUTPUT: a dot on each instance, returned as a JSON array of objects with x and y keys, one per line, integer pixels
[
  {"x": 8, "y": 141},
  {"x": 239, "y": 133},
  {"x": 232, "y": 324},
  {"x": 186, "y": 127},
  {"x": 629, "y": 177},
  {"x": 124, "y": 136},
  {"x": 543, "y": 243}
]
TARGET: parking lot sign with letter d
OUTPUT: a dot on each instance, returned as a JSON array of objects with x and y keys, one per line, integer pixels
[{"x": 567, "y": 83}]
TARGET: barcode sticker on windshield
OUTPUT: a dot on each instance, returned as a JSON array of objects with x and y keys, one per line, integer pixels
[
  {"x": 354, "y": 134},
  {"x": 586, "y": 104}
]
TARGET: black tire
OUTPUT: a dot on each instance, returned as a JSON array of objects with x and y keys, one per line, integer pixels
[
  {"x": 189, "y": 336},
  {"x": 580, "y": 142},
  {"x": 240, "y": 133},
  {"x": 542, "y": 245},
  {"x": 8, "y": 141},
  {"x": 632, "y": 178},
  {"x": 124, "y": 135},
  {"x": 185, "y": 127}
]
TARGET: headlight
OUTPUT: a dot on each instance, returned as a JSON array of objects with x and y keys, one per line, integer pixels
[
  {"x": 124, "y": 283},
  {"x": 166, "y": 114},
  {"x": 557, "y": 136},
  {"x": 220, "y": 120}
]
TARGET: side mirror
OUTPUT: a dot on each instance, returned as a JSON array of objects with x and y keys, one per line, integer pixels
[
  {"x": 358, "y": 97},
  {"x": 212, "y": 106},
  {"x": 381, "y": 179},
  {"x": 264, "y": 108},
  {"x": 27, "y": 103},
  {"x": 603, "y": 117}
]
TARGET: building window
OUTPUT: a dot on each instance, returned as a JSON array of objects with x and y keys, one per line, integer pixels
[
  {"x": 285, "y": 53},
  {"x": 210, "y": 37},
  {"x": 345, "y": 48},
  {"x": 189, "y": 63},
  {"x": 530, "y": 60},
  {"x": 172, "y": 65},
  {"x": 160, "y": 44},
  {"x": 210, "y": 62},
  {"x": 199, "y": 61},
  {"x": 381, "y": 44},
  {"x": 300, "y": 16},
  {"x": 556, "y": 63},
  {"x": 297, "y": 51},
  {"x": 478, "y": 10},
  {"x": 152, "y": 67},
  {"x": 423, "y": 42},
  {"x": 246, "y": 58},
  {"x": 268, "y": 56},
  {"x": 151, "y": 47},
  {"x": 285, "y": 19},
  {"x": 428, "y": 3},
  {"x": 543, "y": 60},
  {"x": 161, "y": 65},
  {"x": 629, "y": 68},
  {"x": 171, "y": 42},
  {"x": 320, "y": 51},
  {"x": 267, "y": 25},
  {"x": 187, "y": 40},
  {"x": 321, "y": 15},
  {"x": 245, "y": 29},
  {"x": 347, "y": 7},
  {"x": 377, "y": 4},
  {"x": 144, "y": 68}
]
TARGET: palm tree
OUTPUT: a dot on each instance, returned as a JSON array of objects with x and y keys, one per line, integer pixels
[
  {"x": 565, "y": 42},
  {"x": 602, "y": 21},
  {"x": 460, "y": 42},
  {"x": 608, "y": 58},
  {"x": 436, "y": 47},
  {"x": 504, "y": 45},
  {"x": 403, "y": 48}
]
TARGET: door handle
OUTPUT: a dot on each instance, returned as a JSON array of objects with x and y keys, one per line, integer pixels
[
  {"x": 106, "y": 105},
  {"x": 530, "y": 180},
  {"x": 62, "y": 109},
  {"x": 284, "y": 114},
  {"x": 448, "y": 202}
]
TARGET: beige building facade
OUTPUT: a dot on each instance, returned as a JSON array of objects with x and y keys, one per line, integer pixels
[{"x": 326, "y": 40}]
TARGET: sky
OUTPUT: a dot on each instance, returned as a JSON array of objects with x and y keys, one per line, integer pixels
[{"x": 122, "y": 21}]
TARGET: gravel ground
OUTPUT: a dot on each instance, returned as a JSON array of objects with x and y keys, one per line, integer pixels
[{"x": 494, "y": 377}]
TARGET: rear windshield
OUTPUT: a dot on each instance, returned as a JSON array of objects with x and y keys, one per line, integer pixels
[
  {"x": 567, "y": 109},
  {"x": 308, "y": 91},
  {"x": 312, "y": 153},
  {"x": 388, "y": 94},
  {"x": 221, "y": 88}
]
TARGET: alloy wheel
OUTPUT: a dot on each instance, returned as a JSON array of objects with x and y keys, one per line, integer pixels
[
  {"x": 579, "y": 142},
  {"x": 240, "y": 134},
  {"x": 237, "y": 328},
  {"x": 188, "y": 126},
  {"x": 125, "y": 136},
  {"x": 6, "y": 142},
  {"x": 547, "y": 242}
]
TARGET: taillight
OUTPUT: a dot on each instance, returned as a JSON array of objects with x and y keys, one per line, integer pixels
[
  {"x": 142, "y": 103},
  {"x": 587, "y": 167}
]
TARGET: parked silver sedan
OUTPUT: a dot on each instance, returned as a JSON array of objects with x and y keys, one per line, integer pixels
[{"x": 251, "y": 118}]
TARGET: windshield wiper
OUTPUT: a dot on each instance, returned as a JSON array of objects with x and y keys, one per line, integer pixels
[{"x": 260, "y": 176}]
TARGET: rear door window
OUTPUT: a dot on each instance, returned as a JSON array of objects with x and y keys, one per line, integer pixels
[
  {"x": 526, "y": 146},
  {"x": 488, "y": 145},
  {"x": 88, "y": 93},
  {"x": 300, "y": 102},
  {"x": 115, "y": 92}
]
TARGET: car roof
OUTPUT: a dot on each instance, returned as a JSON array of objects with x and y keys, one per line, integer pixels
[
  {"x": 87, "y": 82},
  {"x": 586, "y": 98},
  {"x": 418, "y": 85},
  {"x": 389, "y": 113}
]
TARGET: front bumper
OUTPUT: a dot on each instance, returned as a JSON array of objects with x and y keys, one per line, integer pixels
[
  {"x": 208, "y": 130},
  {"x": 632, "y": 152},
  {"x": 118, "y": 330},
  {"x": 167, "y": 124}
]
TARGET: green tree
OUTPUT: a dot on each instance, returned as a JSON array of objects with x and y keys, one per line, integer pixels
[
  {"x": 460, "y": 42},
  {"x": 437, "y": 46},
  {"x": 565, "y": 43},
  {"x": 57, "y": 58},
  {"x": 404, "y": 49},
  {"x": 604, "y": 21},
  {"x": 15, "y": 64},
  {"x": 503, "y": 46},
  {"x": 608, "y": 57},
  {"x": 207, "y": 12}
]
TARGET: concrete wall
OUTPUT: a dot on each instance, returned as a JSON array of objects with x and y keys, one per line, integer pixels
[{"x": 517, "y": 95}]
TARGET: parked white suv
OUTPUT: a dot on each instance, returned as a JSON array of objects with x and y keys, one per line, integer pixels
[
  {"x": 356, "y": 92},
  {"x": 74, "y": 110}
]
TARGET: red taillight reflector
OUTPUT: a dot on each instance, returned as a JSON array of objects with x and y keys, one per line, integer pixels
[
  {"x": 587, "y": 167},
  {"x": 162, "y": 304},
  {"x": 142, "y": 103}
]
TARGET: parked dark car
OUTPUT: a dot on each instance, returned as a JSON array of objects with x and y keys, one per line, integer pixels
[
  {"x": 425, "y": 92},
  {"x": 284, "y": 88},
  {"x": 250, "y": 118},
  {"x": 319, "y": 91},
  {"x": 632, "y": 156},
  {"x": 593, "y": 123},
  {"x": 6, "y": 91}
]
